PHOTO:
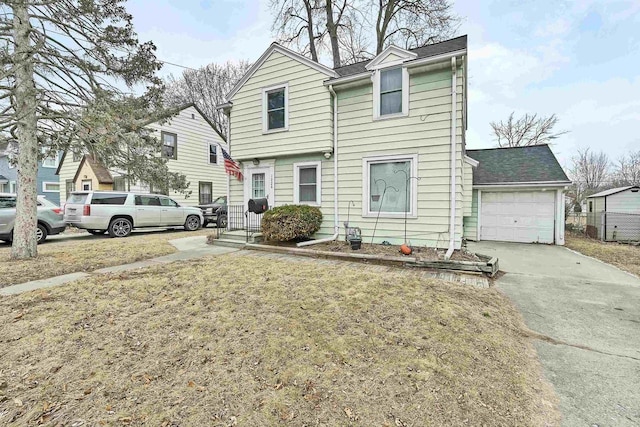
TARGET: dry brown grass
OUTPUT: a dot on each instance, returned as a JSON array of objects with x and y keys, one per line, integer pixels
[
  {"x": 86, "y": 254},
  {"x": 625, "y": 257},
  {"x": 239, "y": 340}
]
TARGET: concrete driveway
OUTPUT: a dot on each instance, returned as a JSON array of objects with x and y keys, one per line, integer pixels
[{"x": 592, "y": 307}]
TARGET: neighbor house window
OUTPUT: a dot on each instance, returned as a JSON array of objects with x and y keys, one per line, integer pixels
[
  {"x": 213, "y": 154},
  {"x": 169, "y": 145},
  {"x": 12, "y": 187},
  {"x": 69, "y": 186},
  {"x": 119, "y": 183},
  {"x": 205, "y": 192},
  {"x": 391, "y": 93},
  {"x": 86, "y": 185},
  {"x": 51, "y": 161},
  {"x": 590, "y": 206},
  {"x": 307, "y": 183},
  {"x": 275, "y": 108},
  {"x": 389, "y": 187},
  {"x": 50, "y": 187}
]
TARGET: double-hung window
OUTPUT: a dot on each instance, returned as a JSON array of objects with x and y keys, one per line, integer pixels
[
  {"x": 391, "y": 93},
  {"x": 307, "y": 183},
  {"x": 205, "y": 193},
  {"x": 389, "y": 186},
  {"x": 213, "y": 154},
  {"x": 275, "y": 105},
  {"x": 169, "y": 145}
]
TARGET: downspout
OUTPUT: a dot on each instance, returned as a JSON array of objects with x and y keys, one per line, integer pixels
[
  {"x": 454, "y": 119},
  {"x": 336, "y": 220},
  {"x": 228, "y": 176}
]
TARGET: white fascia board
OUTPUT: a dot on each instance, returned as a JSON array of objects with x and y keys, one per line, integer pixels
[
  {"x": 471, "y": 161},
  {"x": 376, "y": 62},
  {"x": 509, "y": 185},
  {"x": 286, "y": 52}
]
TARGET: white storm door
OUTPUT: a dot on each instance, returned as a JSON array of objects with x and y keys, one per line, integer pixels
[{"x": 258, "y": 184}]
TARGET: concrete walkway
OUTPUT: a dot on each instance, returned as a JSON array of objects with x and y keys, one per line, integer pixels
[
  {"x": 188, "y": 248},
  {"x": 591, "y": 307}
]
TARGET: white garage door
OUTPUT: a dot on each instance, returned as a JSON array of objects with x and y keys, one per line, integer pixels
[{"x": 518, "y": 216}]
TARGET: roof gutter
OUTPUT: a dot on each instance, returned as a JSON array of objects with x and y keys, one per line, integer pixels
[
  {"x": 454, "y": 158},
  {"x": 523, "y": 184},
  {"x": 409, "y": 64}
]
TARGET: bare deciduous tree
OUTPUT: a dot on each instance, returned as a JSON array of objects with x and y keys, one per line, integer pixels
[
  {"x": 589, "y": 173},
  {"x": 627, "y": 170},
  {"x": 206, "y": 87},
  {"x": 297, "y": 23},
  {"x": 414, "y": 23},
  {"x": 55, "y": 56},
  {"x": 527, "y": 130}
]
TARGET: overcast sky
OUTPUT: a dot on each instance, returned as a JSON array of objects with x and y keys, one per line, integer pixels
[{"x": 578, "y": 59}]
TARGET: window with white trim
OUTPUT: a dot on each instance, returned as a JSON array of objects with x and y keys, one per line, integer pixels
[
  {"x": 307, "y": 183},
  {"x": 388, "y": 186},
  {"x": 51, "y": 161},
  {"x": 275, "y": 108},
  {"x": 391, "y": 93},
  {"x": 50, "y": 187},
  {"x": 12, "y": 186},
  {"x": 213, "y": 154},
  {"x": 169, "y": 145}
]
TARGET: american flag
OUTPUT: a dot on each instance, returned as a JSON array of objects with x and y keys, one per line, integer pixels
[{"x": 230, "y": 166}]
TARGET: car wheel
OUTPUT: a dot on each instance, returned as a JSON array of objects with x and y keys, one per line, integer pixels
[
  {"x": 120, "y": 227},
  {"x": 192, "y": 223},
  {"x": 222, "y": 221},
  {"x": 41, "y": 233},
  {"x": 97, "y": 232}
]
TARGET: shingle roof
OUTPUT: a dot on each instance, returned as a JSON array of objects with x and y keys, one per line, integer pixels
[
  {"x": 446, "y": 46},
  {"x": 613, "y": 191},
  {"x": 102, "y": 174},
  {"x": 516, "y": 165}
]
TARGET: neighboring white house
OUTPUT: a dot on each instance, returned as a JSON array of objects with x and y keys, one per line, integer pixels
[
  {"x": 615, "y": 214},
  {"x": 192, "y": 145},
  {"x": 380, "y": 143}
]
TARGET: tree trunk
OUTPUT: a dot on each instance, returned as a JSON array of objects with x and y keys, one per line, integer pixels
[
  {"x": 24, "y": 232},
  {"x": 312, "y": 41},
  {"x": 332, "y": 29}
]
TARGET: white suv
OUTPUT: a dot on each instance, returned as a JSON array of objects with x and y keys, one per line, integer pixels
[{"x": 119, "y": 212}]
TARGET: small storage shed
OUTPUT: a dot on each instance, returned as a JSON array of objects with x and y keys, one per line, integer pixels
[{"x": 614, "y": 214}]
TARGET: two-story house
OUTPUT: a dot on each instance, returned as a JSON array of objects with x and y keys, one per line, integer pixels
[
  {"x": 47, "y": 181},
  {"x": 192, "y": 145},
  {"x": 381, "y": 144}
]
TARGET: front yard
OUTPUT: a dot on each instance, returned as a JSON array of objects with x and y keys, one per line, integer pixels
[
  {"x": 239, "y": 340},
  {"x": 87, "y": 254},
  {"x": 625, "y": 257}
]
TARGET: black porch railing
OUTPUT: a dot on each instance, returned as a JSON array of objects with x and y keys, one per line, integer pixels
[{"x": 239, "y": 218}]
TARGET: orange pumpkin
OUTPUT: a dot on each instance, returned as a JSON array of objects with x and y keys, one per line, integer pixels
[{"x": 405, "y": 249}]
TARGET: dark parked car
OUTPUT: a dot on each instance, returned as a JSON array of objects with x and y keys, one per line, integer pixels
[{"x": 215, "y": 212}]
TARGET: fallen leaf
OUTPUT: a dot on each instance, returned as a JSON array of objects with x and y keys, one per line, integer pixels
[
  {"x": 191, "y": 384},
  {"x": 18, "y": 402}
]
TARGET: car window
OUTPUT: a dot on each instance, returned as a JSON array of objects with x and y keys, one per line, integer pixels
[
  {"x": 147, "y": 201},
  {"x": 77, "y": 198},
  {"x": 220, "y": 200},
  {"x": 7, "y": 202},
  {"x": 108, "y": 199},
  {"x": 168, "y": 202}
]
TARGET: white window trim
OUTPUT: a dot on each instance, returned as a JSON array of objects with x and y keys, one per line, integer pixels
[
  {"x": 13, "y": 186},
  {"x": 44, "y": 187},
  {"x": 217, "y": 153},
  {"x": 54, "y": 158},
  {"x": 413, "y": 206},
  {"x": 376, "y": 95},
  {"x": 296, "y": 182},
  {"x": 265, "y": 121}
]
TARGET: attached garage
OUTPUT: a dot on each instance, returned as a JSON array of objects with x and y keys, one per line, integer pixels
[{"x": 518, "y": 196}]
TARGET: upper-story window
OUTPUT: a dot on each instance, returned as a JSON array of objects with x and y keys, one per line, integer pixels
[
  {"x": 275, "y": 102},
  {"x": 391, "y": 93},
  {"x": 213, "y": 154},
  {"x": 51, "y": 161},
  {"x": 169, "y": 145}
]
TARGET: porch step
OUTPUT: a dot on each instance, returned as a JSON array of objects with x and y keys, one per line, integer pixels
[
  {"x": 234, "y": 235},
  {"x": 229, "y": 243}
]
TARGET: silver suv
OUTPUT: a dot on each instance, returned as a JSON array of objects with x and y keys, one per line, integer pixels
[
  {"x": 50, "y": 220},
  {"x": 118, "y": 213}
]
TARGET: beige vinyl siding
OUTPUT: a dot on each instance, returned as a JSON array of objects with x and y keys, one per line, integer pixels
[
  {"x": 471, "y": 222},
  {"x": 425, "y": 132},
  {"x": 194, "y": 136},
  {"x": 67, "y": 171},
  {"x": 467, "y": 190},
  {"x": 309, "y": 112}
]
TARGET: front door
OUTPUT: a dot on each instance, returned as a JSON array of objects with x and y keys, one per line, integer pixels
[{"x": 258, "y": 185}]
